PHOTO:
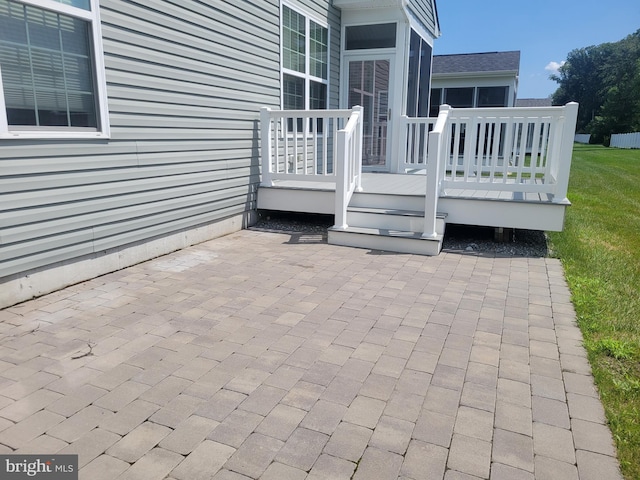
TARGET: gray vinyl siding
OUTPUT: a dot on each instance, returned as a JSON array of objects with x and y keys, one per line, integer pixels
[
  {"x": 425, "y": 11},
  {"x": 185, "y": 82}
]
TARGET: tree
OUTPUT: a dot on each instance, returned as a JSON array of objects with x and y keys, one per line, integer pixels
[{"x": 605, "y": 80}]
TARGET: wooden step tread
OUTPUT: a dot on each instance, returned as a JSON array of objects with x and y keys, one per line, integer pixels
[
  {"x": 387, "y": 233},
  {"x": 391, "y": 211}
]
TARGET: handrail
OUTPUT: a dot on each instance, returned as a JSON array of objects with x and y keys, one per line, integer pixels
[
  {"x": 349, "y": 165},
  {"x": 434, "y": 149}
]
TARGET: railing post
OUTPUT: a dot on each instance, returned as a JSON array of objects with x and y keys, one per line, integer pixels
[
  {"x": 445, "y": 142},
  {"x": 267, "y": 146},
  {"x": 358, "y": 159},
  {"x": 403, "y": 139},
  {"x": 434, "y": 156},
  {"x": 565, "y": 152},
  {"x": 341, "y": 180},
  {"x": 348, "y": 163}
]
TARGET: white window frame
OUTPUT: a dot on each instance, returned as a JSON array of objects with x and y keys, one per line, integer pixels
[
  {"x": 308, "y": 78},
  {"x": 103, "y": 131}
]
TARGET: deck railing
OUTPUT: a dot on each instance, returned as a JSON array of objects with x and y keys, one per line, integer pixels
[
  {"x": 415, "y": 133},
  {"x": 322, "y": 146},
  {"x": 299, "y": 144},
  {"x": 526, "y": 150},
  {"x": 515, "y": 150},
  {"x": 499, "y": 149}
]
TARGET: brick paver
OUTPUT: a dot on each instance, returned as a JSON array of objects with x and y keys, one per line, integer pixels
[{"x": 260, "y": 355}]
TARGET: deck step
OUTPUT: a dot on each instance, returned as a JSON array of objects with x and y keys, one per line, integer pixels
[
  {"x": 388, "y": 201},
  {"x": 391, "y": 222},
  {"x": 383, "y": 239},
  {"x": 391, "y": 219}
]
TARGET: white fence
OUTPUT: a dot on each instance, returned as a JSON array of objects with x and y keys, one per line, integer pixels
[
  {"x": 625, "y": 140},
  {"x": 582, "y": 138}
]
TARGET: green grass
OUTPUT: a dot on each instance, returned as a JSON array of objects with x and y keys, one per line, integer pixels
[{"x": 600, "y": 251}]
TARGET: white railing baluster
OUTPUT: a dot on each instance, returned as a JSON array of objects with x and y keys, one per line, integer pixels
[
  {"x": 275, "y": 129},
  {"x": 314, "y": 145},
  {"x": 468, "y": 156},
  {"x": 305, "y": 144},
  {"x": 325, "y": 145},
  {"x": 334, "y": 135},
  {"x": 535, "y": 145},
  {"x": 517, "y": 133},
  {"x": 483, "y": 148},
  {"x": 495, "y": 149},
  {"x": 455, "y": 155},
  {"x": 424, "y": 145},
  {"x": 522, "y": 149},
  {"x": 293, "y": 167},
  {"x": 543, "y": 147},
  {"x": 416, "y": 145}
]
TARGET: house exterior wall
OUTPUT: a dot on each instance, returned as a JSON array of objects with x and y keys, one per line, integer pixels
[
  {"x": 185, "y": 81},
  {"x": 425, "y": 11}
]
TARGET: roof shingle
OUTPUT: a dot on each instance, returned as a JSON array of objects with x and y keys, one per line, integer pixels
[{"x": 477, "y": 62}]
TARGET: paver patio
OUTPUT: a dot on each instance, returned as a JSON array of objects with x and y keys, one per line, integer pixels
[{"x": 277, "y": 356}]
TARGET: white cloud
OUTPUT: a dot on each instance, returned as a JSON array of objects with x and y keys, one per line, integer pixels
[{"x": 554, "y": 66}]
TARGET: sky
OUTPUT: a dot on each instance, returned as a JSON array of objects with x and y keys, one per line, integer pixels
[{"x": 544, "y": 31}]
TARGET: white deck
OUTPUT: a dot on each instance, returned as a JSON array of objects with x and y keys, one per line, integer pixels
[{"x": 497, "y": 167}]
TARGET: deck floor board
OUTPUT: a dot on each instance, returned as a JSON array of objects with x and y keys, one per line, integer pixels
[{"x": 414, "y": 184}]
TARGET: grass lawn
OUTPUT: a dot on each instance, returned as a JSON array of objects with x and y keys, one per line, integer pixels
[{"x": 600, "y": 251}]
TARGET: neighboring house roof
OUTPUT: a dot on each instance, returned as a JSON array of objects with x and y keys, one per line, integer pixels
[
  {"x": 533, "y": 102},
  {"x": 477, "y": 62}
]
